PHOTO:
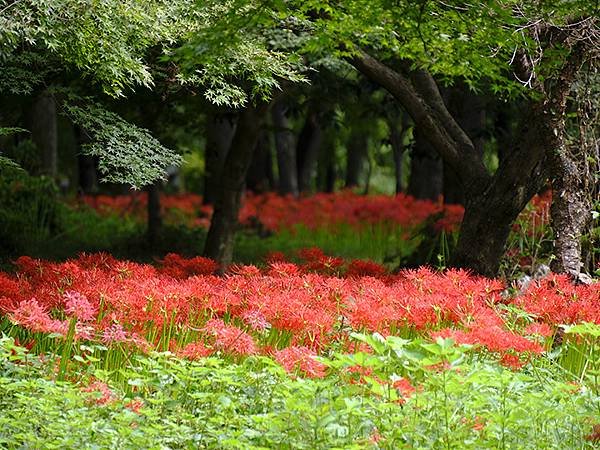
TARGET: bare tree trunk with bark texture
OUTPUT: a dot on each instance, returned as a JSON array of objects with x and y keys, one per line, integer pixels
[
  {"x": 492, "y": 203},
  {"x": 230, "y": 186}
]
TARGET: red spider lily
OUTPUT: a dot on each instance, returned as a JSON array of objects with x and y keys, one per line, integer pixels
[
  {"x": 195, "y": 350},
  {"x": 230, "y": 339},
  {"x": 135, "y": 405},
  {"x": 512, "y": 361},
  {"x": 358, "y": 373},
  {"x": 178, "y": 267},
  {"x": 114, "y": 333},
  {"x": 556, "y": 300},
  {"x": 77, "y": 305},
  {"x": 365, "y": 268},
  {"x": 316, "y": 261},
  {"x": 404, "y": 387},
  {"x": 142, "y": 306},
  {"x": 300, "y": 358},
  {"x": 10, "y": 292},
  {"x": 33, "y": 316},
  {"x": 283, "y": 269},
  {"x": 539, "y": 329},
  {"x": 255, "y": 320},
  {"x": 477, "y": 423},
  {"x": 275, "y": 257},
  {"x": 274, "y": 212},
  {"x": 103, "y": 395}
]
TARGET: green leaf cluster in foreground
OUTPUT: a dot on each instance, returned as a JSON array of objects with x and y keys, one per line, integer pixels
[{"x": 165, "y": 402}]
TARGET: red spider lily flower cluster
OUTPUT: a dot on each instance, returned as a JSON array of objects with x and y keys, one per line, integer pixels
[
  {"x": 284, "y": 310},
  {"x": 78, "y": 306},
  {"x": 177, "y": 208},
  {"x": 555, "y": 300},
  {"x": 275, "y": 212},
  {"x": 325, "y": 209},
  {"x": 103, "y": 394},
  {"x": 179, "y": 267},
  {"x": 303, "y": 359}
]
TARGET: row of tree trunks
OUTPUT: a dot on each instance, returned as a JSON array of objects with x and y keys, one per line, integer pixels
[{"x": 296, "y": 157}]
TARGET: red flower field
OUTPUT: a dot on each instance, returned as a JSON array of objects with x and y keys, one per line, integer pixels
[
  {"x": 274, "y": 212},
  {"x": 285, "y": 310}
]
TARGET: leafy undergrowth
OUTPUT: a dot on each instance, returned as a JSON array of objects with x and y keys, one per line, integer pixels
[
  {"x": 324, "y": 354},
  {"x": 454, "y": 400}
]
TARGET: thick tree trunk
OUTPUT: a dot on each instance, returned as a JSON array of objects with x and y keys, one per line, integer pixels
[
  {"x": 521, "y": 174},
  {"x": 469, "y": 110},
  {"x": 219, "y": 134},
  {"x": 426, "y": 170},
  {"x": 307, "y": 150},
  {"x": 488, "y": 219},
  {"x": 219, "y": 241},
  {"x": 286, "y": 150},
  {"x": 44, "y": 132},
  {"x": 492, "y": 203},
  {"x": 570, "y": 211},
  {"x": 572, "y": 180}
]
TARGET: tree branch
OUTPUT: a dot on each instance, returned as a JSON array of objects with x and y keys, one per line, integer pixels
[{"x": 422, "y": 100}]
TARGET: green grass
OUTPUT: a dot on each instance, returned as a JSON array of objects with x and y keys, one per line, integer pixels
[{"x": 252, "y": 404}]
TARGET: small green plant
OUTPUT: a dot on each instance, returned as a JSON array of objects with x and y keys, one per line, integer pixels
[{"x": 581, "y": 353}]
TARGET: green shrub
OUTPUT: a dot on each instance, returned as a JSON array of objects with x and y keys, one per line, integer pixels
[{"x": 29, "y": 210}]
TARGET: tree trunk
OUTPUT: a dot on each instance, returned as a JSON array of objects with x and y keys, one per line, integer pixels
[
  {"x": 426, "y": 170},
  {"x": 86, "y": 164},
  {"x": 398, "y": 132},
  {"x": 356, "y": 158},
  {"x": 327, "y": 173},
  {"x": 572, "y": 180},
  {"x": 520, "y": 175},
  {"x": 286, "y": 151},
  {"x": 570, "y": 211},
  {"x": 492, "y": 203},
  {"x": 44, "y": 132},
  {"x": 469, "y": 110},
  {"x": 230, "y": 186},
  {"x": 219, "y": 134},
  {"x": 154, "y": 216},
  {"x": 307, "y": 150},
  {"x": 260, "y": 173}
]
